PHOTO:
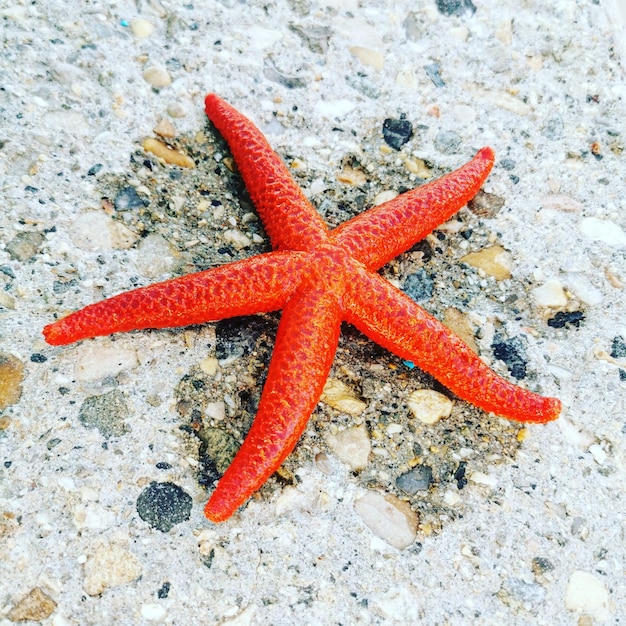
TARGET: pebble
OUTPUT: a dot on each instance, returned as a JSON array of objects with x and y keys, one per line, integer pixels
[
  {"x": 585, "y": 593},
  {"x": 11, "y": 377},
  {"x": 455, "y": 7},
  {"x": 110, "y": 566},
  {"x": 237, "y": 239},
  {"x": 606, "y": 231},
  {"x": 176, "y": 110},
  {"x": 7, "y": 301},
  {"x": 460, "y": 325},
  {"x": 341, "y": 397},
  {"x": 418, "y": 167},
  {"x": 389, "y": 518},
  {"x": 550, "y": 294},
  {"x": 163, "y": 505},
  {"x": 433, "y": 71},
  {"x": 396, "y": 132},
  {"x": 447, "y": 142},
  {"x": 216, "y": 410},
  {"x": 97, "y": 232},
  {"x": 141, "y": 29},
  {"x": 566, "y": 318},
  {"x": 518, "y": 594},
  {"x": 384, "y": 196},
  {"x": 24, "y": 246},
  {"x": 352, "y": 176},
  {"x": 513, "y": 352},
  {"x": 418, "y": 479},
  {"x": 368, "y": 57},
  {"x": 583, "y": 289},
  {"x": 153, "y": 612},
  {"x": 165, "y": 129},
  {"x": 156, "y": 256},
  {"x": 92, "y": 516},
  {"x": 96, "y": 363},
  {"x": 106, "y": 413},
  {"x": 127, "y": 198},
  {"x": 167, "y": 154},
  {"x": 480, "y": 478},
  {"x": 429, "y": 406},
  {"x": 157, "y": 77},
  {"x": 352, "y": 446},
  {"x": 334, "y": 108},
  {"x": 495, "y": 261},
  {"x": 35, "y": 606},
  {"x": 485, "y": 204},
  {"x": 419, "y": 286},
  {"x": 541, "y": 565},
  {"x": 618, "y": 347}
]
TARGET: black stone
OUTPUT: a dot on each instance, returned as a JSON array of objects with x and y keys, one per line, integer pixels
[
  {"x": 163, "y": 505},
  {"x": 164, "y": 591},
  {"x": 618, "y": 347},
  {"x": 459, "y": 475},
  {"x": 513, "y": 352},
  {"x": 564, "y": 318},
  {"x": 38, "y": 358},
  {"x": 455, "y": 7},
  {"x": 396, "y": 132}
]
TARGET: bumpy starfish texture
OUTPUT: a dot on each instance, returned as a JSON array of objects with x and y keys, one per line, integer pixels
[{"x": 319, "y": 278}]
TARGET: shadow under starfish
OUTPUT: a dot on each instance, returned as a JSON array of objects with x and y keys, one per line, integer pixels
[{"x": 319, "y": 278}]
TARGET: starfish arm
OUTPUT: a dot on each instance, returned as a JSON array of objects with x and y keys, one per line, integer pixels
[
  {"x": 396, "y": 322},
  {"x": 381, "y": 233},
  {"x": 305, "y": 347},
  {"x": 255, "y": 285},
  {"x": 289, "y": 218}
]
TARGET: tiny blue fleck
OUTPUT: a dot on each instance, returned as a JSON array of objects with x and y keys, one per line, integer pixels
[
  {"x": 124, "y": 23},
  {"x": 409, "y": 364}
]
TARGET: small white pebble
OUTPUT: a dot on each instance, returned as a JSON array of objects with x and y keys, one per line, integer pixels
[
  {"x": 388, "y": 517},
  {"x": 429, "y": 406},
  {"x": 586, "y": 594},
  {"x": 142, "y": 29},
  {"x": 352, "y": 446},
  {"x": 341, "y": 397},
  {"x": 216, "y": 410},
  {"x": 153, "y": 612},
  {"x": 481, "y": 478},
  {"x": 158, "y": 77},
  {"x": 237, "y": 239},
  {"x": 603, "y": 230},
  {"x": 551, "y": 293},
  {"x": 95, "y": 363},
  {"x": 598, "y": 453}
]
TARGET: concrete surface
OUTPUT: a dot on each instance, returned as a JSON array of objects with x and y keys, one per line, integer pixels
[{"x": 536, "y": 536}]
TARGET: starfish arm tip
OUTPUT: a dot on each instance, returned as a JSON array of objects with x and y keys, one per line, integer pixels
[{"x": 215, "y": 513}]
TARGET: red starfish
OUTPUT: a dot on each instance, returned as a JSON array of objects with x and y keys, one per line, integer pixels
[{"x": 319, "y": 278}]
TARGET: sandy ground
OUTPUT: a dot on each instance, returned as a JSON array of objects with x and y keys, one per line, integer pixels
[{"x": 90, "y": 432}]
